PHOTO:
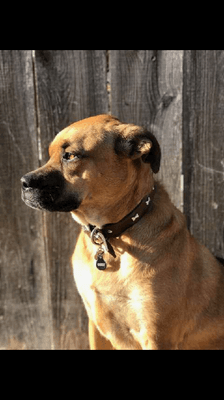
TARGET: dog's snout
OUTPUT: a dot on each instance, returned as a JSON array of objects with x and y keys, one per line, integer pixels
[{"x": 46, "y": 190}]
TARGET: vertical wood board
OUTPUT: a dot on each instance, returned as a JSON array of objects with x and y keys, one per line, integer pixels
[
  {"x": 146, "y": 89},
  {"x": 204, "y": 146},
  {"x": 25, "y": 313}
]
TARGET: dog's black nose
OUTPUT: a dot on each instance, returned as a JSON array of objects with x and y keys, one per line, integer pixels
[
  {"x": 25, "y": 180},
  {"x": 47, "y": 182},
  {"x": 32, "y": 181}
]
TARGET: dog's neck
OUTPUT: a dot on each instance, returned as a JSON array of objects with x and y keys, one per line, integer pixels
[
  {"x": 101, "y": 236},
  {"x": 99, "y": 216}
]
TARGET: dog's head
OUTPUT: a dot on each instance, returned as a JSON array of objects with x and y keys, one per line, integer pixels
[{"x": 91, "y": 162}]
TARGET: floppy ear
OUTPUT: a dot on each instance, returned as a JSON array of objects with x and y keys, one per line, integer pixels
[{"x": 135, "y": 142}]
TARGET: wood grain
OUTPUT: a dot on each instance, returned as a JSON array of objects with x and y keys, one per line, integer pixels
[
  {"x": 25, "y": 310},
  {"x": 204, "y": 146},
  {"x": 146, "y": 89}
]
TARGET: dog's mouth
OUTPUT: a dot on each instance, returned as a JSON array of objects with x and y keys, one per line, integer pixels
[
  {"x": 48, "y": 193},
  {"x": 37, "y": 200},
  {"x": 30, "y": 201}
]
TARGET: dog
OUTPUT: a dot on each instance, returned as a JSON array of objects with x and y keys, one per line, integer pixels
[{"x": 145, "y": 281}]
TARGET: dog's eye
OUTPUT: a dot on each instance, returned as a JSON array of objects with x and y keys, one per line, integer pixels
[{"x": 71, "y": 157}]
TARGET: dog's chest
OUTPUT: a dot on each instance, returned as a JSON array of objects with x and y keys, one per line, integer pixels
[{"x": 112, "y": 307}]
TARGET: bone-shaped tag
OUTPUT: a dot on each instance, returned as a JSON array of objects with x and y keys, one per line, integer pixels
[{"x": 134, "y": 218}]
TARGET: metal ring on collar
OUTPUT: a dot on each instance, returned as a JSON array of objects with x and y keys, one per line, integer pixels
[{"x": 98, "y": 238}]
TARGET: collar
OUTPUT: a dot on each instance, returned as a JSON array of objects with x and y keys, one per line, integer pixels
[{"x": 101, "y": 236}]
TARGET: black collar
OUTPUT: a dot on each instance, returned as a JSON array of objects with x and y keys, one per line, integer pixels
[{"x": 101, "y": 236}]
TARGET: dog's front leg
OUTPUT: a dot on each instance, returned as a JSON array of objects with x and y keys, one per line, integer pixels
[{"x": 96, "y": 340}]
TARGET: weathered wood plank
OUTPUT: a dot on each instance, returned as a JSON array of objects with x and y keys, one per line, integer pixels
[
  {"x": 134, "y": 89},
  {"x": 71, "y": 85},
  {"x": 146, "y": 89},
  {"x": 204, "y": 146},
  {"x": 25, "y": 312}
]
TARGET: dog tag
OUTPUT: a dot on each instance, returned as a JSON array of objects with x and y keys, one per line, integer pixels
[{"x": 100, "y": 263}]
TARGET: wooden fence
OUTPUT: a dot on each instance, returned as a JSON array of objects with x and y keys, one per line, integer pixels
[{"x": 41, "y": 92}]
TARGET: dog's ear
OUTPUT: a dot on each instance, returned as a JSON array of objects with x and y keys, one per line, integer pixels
[{"x": 135, "y": 142}]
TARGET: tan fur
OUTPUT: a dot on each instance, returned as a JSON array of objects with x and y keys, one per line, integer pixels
[{"x": 164, "y": 290}]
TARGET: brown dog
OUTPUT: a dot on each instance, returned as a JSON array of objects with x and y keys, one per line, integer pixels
[{"x": 153, "y": 286}]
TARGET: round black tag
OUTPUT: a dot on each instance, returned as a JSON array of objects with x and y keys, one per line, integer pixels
[{"x": 100, "y": 263}]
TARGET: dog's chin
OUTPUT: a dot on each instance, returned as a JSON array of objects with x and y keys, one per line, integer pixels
[
  {"x": 30, "y": 201},
  {"x": 69, "y": 204},
  {"x": 33, "y": 205}
]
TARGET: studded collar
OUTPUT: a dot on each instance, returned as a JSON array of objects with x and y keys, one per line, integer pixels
[{"x": 101, "y": 236}]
